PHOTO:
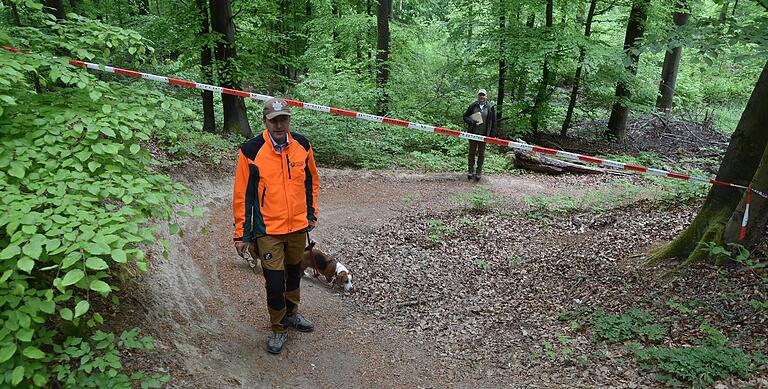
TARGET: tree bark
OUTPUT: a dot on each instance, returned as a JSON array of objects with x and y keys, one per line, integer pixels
[
  {"x": 522, "y": 84},
  {"x": 745, "y": 161},
  {"x": 617, "y": 124},
  {"x": 542, "y": 95},
  {"x": 235, "y": 115},
  {"x": 382, "y": 55},
  {"x": 143, "y": 7},
  {"x": 15, "y": 14},
  {"x": 206, "y": 67},
  {"x": 723, "y": 11},
  {"x": 577, "y": 77},
  {"x": 672, "y": 63},
  {"x": 502, "y": 61},
  {"x": 73, "y": 4},
  {"x": 56, "y": 8}
]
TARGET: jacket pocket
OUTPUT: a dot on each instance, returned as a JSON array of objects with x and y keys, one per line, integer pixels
[{"x": 263, "y": 195}]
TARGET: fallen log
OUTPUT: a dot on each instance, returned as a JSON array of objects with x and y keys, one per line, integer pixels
[{"x": 529, "y": 160}]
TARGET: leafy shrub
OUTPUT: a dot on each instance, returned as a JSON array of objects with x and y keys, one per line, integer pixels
[
  {"x": 701, "y": 366},
  {"x": 634, "y": 324},
  {"x": 77, "y": 194}
]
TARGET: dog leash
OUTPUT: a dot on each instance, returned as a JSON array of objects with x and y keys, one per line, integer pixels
[{"x": 312, "y": 257}]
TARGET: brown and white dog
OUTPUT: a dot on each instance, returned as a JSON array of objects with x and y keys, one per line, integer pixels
[{"x": 334, "y": 271}]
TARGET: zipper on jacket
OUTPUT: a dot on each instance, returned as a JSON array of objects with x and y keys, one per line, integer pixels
[
  {"x": 263, "y": 194},
  {"x": 288, "y": 162}
]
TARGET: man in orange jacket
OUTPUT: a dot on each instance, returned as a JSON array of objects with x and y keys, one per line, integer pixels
[{"x": 275, "y": 204}]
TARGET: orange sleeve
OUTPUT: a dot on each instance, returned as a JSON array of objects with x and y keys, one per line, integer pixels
[{"x": 242, "y": 174}]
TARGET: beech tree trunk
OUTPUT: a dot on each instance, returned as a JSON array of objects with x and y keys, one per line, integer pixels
[
  {"x": 577, "y": 77},
  {"x": 542, "y": 95},
  {"x": 235, "y": 115},
  {"x": 382, "y": 54},
  {"x": 745, "y": 161},
  {"x": 206, "y": 67},
  {"x": 56, "y": 8},
  {"x": 502, "y": 61},
  {"x": 617, "y": 124},
  {"x": 672, "y": 63}
]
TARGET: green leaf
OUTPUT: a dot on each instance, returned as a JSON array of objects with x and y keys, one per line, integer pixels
[
  {"x": 81, "y": 308},
  {"x": 118, "y": 255},
  {"x": 98, "y": 248},
  {"x": 106, "y": 108},
  {"x": 160, "y": 123},
  {"x": 107, "y": 131},
  {"x": 7, "y": 352},
  {"x": 26, "y": 264},
  {"x": 135, "y": 148},
  {"x": 100, "y": 286},
  {"x": 35, "y": 247},
  {"x": 17, "y": 170},
  {"x": 66, "y": 313},
  {"x": 71, "y": 259},
  {"x": 173, "y": 228},
  {"x": 17, "y": 375},
  {"x": 131, "y": 50},
  {"x": 6, "y": 275},
  {"x": 10, "y": 251},
  {"x": 94, "y": 95},
  {"x": 25, "y": 334},
  {"x": 96, "y": 263},
  {"x": 93, "y": 165},
  {"x": 33, "y": 352},
  {"x": 72, "y": 277}
]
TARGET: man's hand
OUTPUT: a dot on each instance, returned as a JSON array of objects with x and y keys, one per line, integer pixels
[
  {"x": 311, "y": 226},
  {"x": 241, "y": 247}
]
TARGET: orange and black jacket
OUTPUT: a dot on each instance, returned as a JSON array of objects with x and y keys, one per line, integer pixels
[{"x": 274, "y": 194}]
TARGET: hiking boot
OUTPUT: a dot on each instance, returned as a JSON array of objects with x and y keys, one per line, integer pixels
[
  {"x": 298, "y": 322},
  {"x": 469, "y": 176},
  {"x": 477, "y": 177},
  {"x": 276, "y": 342}
]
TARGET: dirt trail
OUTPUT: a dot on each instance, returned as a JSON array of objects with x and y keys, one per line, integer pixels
[
  {"x": 207, "y": 309},
  {"x": 472, "y": 309}
]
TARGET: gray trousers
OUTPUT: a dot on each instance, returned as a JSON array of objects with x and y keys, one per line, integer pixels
[{"x": 476, "y": 148}]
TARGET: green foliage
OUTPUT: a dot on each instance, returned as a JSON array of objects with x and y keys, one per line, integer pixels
[
  {"x": 633, "y": 324},
  {"x": 479, "y": 199},
  {"x": 701, "y": 366},
  {"x": 77, "y": 194},
  {"x": 739, "y": 254},
  {"x": 482, "y": 264},
  {"x": 437, "y": 231}
]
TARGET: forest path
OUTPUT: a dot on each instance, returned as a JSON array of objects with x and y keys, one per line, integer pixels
[{"x": 210, "y": 308}]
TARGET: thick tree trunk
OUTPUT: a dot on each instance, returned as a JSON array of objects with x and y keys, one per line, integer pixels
[
  {"x": 617, "y": 124},
  {"x": 542, "y": 95},
  {"x": 73, "y": 4},
  {"x": 577, "y": 77},
  {"x": 206, "y": 67},
  {"x": 235, "y": 116},
  {"x": 56, "y": 8},
  {"x": 671, "y": 63},
  {"x": 15, "y": 14},
  {"x": 382, "y": 54},
  {"x": 522, "y": 82},
  {"x": 720, "y": 216}
]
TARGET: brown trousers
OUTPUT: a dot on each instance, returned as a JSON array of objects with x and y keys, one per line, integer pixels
[
  {"x": 476, "y": 148},
  {"x": 281, "y": 257}
]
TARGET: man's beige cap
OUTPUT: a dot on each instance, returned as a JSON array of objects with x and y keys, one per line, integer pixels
[{"x": 275, "y": 107}]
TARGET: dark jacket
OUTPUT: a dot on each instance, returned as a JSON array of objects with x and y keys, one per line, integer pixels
[{"x": 491, "y": 125}]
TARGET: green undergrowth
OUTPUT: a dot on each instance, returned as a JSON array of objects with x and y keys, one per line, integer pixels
[
  {"x": 79, "y": 199},
  {"x": 704, "y": 359}
]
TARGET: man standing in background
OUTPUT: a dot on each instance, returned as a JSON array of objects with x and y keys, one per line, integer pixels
[
  {"x": 480, "y": 118},
  {"x": 275, "y": 205}
]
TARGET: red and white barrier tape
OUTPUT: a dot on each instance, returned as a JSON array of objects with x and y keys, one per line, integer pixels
[{"x": 415, "y": 126}]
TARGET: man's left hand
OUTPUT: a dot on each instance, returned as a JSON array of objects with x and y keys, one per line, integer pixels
[{"x": 311, "y": 226}]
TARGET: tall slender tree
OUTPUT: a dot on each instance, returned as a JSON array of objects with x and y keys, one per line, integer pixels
[
  {"x": 235, "y": 115},
  {"x": 542, "y": 95},
  {"x": 577, "y": 77},
  {"x": 617, "y": 124},
  {"x": 382, "y": 54},
  {"x": 672, "y": 62},
  {"x": 206, "y": 66},
  {"x": 502, "y": 59}
]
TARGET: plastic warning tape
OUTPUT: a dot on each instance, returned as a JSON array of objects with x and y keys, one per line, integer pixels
[{"x": 404, "y": 123}]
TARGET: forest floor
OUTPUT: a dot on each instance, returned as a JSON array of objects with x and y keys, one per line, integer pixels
[{"x": 457, "y": 284}]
